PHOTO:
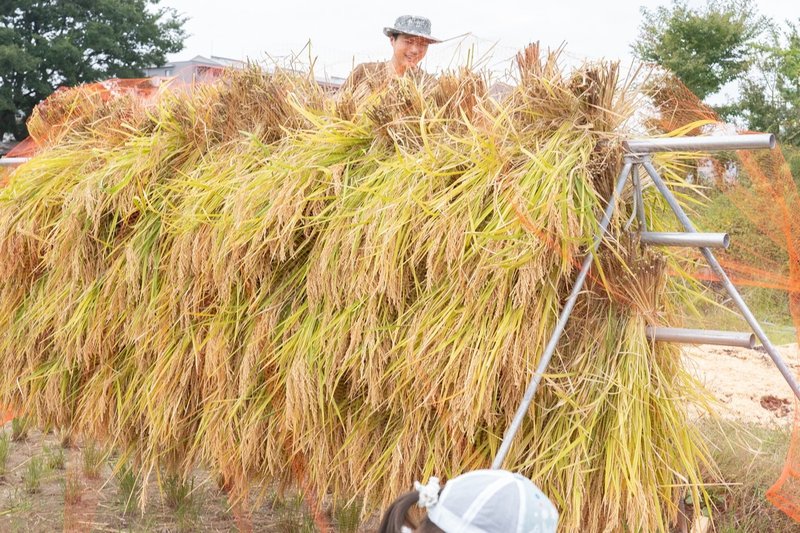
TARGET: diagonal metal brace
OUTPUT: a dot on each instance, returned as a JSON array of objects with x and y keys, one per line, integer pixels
[
  {"x": 640, "y": 156},
  {"x": 530, "y": 392},
  {"x": 720, "y": 272}
]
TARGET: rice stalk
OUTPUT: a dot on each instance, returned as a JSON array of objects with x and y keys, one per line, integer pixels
[{"x": 349, "y": 294}]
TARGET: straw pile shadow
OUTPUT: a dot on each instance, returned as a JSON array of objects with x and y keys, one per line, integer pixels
[{"x": 349, "y": 292}]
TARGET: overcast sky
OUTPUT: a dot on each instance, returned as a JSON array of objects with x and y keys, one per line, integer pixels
[{"x": 344, "y": 32}]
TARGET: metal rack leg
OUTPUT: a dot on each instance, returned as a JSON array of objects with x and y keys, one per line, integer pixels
[
  {"x": 562, "y": 321},
  {"x": 729, "y": 287}
]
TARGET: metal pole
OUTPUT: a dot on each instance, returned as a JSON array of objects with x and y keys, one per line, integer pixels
[
  {"x": 516, "y": 422},
  {"x": 696, "y": 240},
  {"x": 638, "y": 198},
  {"x": 700, "y": 336},
  {"x": 734, "y": 294},
  {"x": 701, "y": 144},
  {"x": 9, "y": 161}
]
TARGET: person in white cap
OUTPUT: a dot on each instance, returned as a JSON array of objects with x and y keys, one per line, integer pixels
[
  {"x": 482, "y": 501},
  {"x": 409, "y": 37}
]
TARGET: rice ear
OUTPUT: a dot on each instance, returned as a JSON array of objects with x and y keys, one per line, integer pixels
[{"x": 280, "y": 286}]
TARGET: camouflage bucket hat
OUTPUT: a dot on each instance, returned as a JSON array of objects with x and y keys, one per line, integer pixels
[{"x": 411, "y": 25}]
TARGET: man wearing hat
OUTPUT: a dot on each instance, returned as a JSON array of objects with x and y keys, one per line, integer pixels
[{"x": 409, "y": 37}]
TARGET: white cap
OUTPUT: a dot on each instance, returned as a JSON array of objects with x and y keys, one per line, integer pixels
[{"x": 489, "y": 501}]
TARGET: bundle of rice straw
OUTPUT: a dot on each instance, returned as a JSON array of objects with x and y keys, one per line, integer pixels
[{"x": 286, "y": 286}]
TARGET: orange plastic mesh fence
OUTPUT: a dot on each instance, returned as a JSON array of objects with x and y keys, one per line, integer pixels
[
  {"x": 771, "y": 203},
  {"x": 773, "y": 183},
  {"x": 69, "y": 104}
]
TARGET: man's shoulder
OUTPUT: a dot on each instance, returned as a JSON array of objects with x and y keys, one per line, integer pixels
[
  {"x": 373, "y": 74},
  {"x": 372, "y": 65},
  {"x": 371, "y": 68}
]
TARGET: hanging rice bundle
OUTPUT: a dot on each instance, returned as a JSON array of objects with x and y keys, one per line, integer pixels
[{"x": 352, "y": 292}]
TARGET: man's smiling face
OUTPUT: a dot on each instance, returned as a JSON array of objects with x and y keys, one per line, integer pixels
[{"x": 408, "y": 51}]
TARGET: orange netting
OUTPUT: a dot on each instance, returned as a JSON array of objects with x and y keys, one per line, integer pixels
[
  {"x": 771, "y": 203},
  {"x": 774, "y": 186},
  {"x": 24, "y": 149},
  {"x": 677, "y": 105},
  {"x": 6, "y": 416},
  {"x": 68, "y": 105}
]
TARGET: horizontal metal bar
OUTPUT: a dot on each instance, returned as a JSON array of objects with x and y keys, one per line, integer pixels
[
  {"x": 755, "y": 141},
  {"x": 10, "y": 161},
  {"x": 701, "y": 336},
  {"x": 776, "y": 357},
  {"x": 701, "y": 240}
]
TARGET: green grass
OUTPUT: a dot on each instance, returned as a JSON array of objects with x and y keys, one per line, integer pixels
[
  {"x": 128, "y": 487},
  {"x": 750, "y": 459},
  {"x": 347, "y": 516},
  {"x": 770, "y": 307},
  {"x": 181, "y": 496},
  {"x": 93, "y": 460},
  {"x": 19, "y": 429},
  {"x": 291, "y": 515},
  {"x": 32, "y": 477},
  {"x": 54, "y": 457},
  {"x": 4, "y": 449},
  {"x": 178, "y": 493}
]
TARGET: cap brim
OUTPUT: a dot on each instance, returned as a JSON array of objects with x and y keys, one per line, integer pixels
[{"x": 389, "y": 31}]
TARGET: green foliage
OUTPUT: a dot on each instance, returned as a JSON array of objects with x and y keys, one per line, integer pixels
[
  {"x": 705, "y": 48},
  {"x": 32, "y": 478},
  {"x": 291, "y": 515},
  {"x": 48, "y": 43},
  {"x": 177, "y": 492},
  {"x": 181, "y": 497},
  {"x": 55, "y": 458},
  {"x": 19, "y": 429},
  {"x": 348, "y": 516},
  {"x": 93, "y": 458},
  {"x": 4, "y": 449},
  {"x": 794, "y": 167},
  {"x": 769, "y": 98},
  {"x": 128, "y": 487}
]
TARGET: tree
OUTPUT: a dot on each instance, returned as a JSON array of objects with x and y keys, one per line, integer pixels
[
  {"x": 45, "y": 44},
  {"x": 704, "y": 48},
  {"x": 769, "y": 99}
]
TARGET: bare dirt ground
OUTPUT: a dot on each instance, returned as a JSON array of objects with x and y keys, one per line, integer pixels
[
  {"x": 746, "y": 383},
  {"x": 69, "y": 499},
  {"x": 66, "y": 496}
]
